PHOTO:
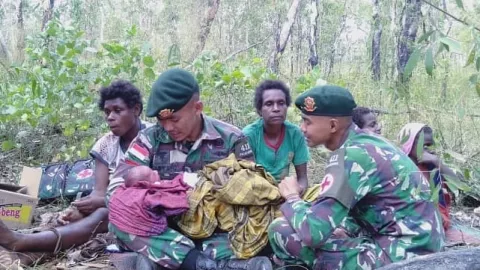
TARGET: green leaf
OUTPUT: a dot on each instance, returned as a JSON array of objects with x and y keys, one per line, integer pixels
[
  {"x": 7, "y": 145},
  {"x": 237, "y": 74},
  {"x": 148, "y": 72},
  {"x": 61, "y": 49},
  {"x": 429, "y": 61},
  {"x": 420, "y": 143},
  {"x": 148, "y": 61},
  {"x": 473, "y": 79},
  {"x": 459, "y": 157},
  {"x": 471, "y": 55},
  {"x": 69, "y": 64},
  {"x": 77, "y": 105},
  {"x": 412, "y": 63},
  {"x": 452, "y": 45},
  {"x": 226, "y": 78},
  {"x": 477, "y": 87},
  {"x": 51, "y": 31},
  {"x": 477, "y": 64},
  {"x": 459, "y": 4},
  {"x": 425, "y": 36},
  {"x": 455, "y": 182},
  {"x": 69, "y": 131},
  {"x": 436, "y": 193}
]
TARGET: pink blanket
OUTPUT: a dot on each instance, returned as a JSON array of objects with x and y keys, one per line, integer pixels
[{"x": 143, "y": 209}]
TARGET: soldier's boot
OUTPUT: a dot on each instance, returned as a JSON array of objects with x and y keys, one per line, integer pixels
[
  {"x": 260, "y": 263},
  {"x": 198, "y": 261}
]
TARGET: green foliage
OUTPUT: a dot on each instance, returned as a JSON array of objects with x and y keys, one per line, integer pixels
[
  {"x": 228, "y": 90},
  {"x": 54, "y": 91}
]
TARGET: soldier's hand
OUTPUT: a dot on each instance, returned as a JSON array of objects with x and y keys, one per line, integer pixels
[{"x": 289, "y": 187}]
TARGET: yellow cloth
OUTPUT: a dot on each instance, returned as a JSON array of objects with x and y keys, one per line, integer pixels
[{"x": 238, "y": 197}]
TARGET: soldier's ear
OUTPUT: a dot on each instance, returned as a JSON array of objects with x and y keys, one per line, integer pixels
[
  {"x": 334, "y": 124},
  {"x": 199, "y": 107}
]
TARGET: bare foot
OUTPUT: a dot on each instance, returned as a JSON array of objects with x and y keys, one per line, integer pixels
[{"x": 8, "y": 238}]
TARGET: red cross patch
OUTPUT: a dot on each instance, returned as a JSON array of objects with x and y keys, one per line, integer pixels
[
  {"x": 326, "y": 183},
  {"x": 85, "y": 174}
]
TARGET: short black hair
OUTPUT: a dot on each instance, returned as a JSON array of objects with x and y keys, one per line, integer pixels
[
  {"x": 123, "y": 89},
  {"x": 269, "y": 85},
  {"x": 427, "y": 129},
  {"x": 357, "y": 116}
]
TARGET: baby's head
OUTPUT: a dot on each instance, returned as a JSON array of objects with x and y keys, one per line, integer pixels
[{"x": 141, "y": 173}]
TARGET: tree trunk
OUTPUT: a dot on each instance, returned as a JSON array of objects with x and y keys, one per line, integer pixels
[
  {"x": 20, "y": 44},
  {"x": 47, "y": 14},
  {"x": 376, "y": 41},
  {"x": 206, "y": 24},
  {"x": 408, "y": 34},
  {"x": 282, "y": 37},
  {"x": 312, "y": 37},
  {"x": 394, "y": 37},
  {"x": 336, "y": 40},
  {"x": 4, "y": 53}
]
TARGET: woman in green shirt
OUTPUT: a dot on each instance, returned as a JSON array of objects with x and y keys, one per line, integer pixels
[{"x": 277, "y": 143}]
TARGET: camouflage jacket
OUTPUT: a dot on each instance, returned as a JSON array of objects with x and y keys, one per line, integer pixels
[
  {"x": 376, "y": 184},
  {"x": 154, "y": 147}
]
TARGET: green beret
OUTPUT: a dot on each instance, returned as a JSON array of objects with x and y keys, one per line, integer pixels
[
  {"x": 171, "y": 91},
  {"x": 326, "y": 100}
]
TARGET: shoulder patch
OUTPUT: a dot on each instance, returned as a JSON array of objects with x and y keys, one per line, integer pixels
[
  {"x": 335, "y": 183},
  {"x": 243, "y": 149}
]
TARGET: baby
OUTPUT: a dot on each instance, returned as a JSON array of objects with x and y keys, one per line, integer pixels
[{"x": 141, "y": 173}]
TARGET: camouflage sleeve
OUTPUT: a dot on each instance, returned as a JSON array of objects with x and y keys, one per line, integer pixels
[
  {"x": 139, "y": 153},
  {"x": 314, "y": 223},
  {"x": 351, "y": 226},
  {"x": 242, "y": 149}
]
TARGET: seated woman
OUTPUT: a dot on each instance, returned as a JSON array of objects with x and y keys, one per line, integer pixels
[
  {"x": 433, "y": 168},
  {"x": 277, "y": 143},
  {"x": 366, "y": 119},
  {"x": 122, "y": 104}
]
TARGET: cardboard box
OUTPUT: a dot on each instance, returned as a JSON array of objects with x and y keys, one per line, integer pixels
[{"x": 18, "y": 202}]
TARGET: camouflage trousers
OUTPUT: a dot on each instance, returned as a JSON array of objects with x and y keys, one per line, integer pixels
[
  {"x": 335, "y": 253},
  {"x": 170, "y": 248}
]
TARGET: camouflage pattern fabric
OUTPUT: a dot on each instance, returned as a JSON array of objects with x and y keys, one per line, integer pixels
[
  {"x": 168, "y": 249},
  {"x": 153, "y": 147},
  {"x": 65, "y": 180},
  {"x": 382, "y": 190},
  {"x": 81, "y": 178},
  {"x": 52, "y": 181}
]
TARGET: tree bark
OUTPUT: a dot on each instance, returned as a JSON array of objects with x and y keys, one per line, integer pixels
[
  {"x": 47, "y": 14},
  {"x": 408, "y": 34},
  {"x": 4, "y": 53},
  {"x": 376, "y": 41},
  {"x": 312, "y": 37},
  {"x": 20, "y": 44},
  {"x": 283, "y": 36},
  {"x": 206, "y": 24}
]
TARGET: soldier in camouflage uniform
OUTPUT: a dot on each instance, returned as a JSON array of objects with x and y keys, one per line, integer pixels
[
  {"x": 184, "y": 141},
  {"x": 367, "y": 179}
]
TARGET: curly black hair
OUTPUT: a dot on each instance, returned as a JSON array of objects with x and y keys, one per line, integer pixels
[
  {"x": 357, "y": 116},
  {"x": 121, "y": 89},
  {"x": 269, "y": 85}
]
